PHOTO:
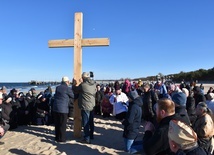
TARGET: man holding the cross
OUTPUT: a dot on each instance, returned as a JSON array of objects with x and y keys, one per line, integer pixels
[{"x": 86, "y": 91}]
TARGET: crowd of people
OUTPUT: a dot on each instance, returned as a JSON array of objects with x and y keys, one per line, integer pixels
[
  {"x": 18, "y": 108},
  {"x": 178, "y": 119},
  {"x": 185, "y": 108}
]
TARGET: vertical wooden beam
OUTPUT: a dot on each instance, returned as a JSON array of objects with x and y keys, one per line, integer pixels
[
  {"x": 78, "y": 42},
  {"x": 77, "y": 69}
]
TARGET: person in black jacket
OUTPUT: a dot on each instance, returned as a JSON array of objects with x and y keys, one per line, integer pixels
[
  {"x": 98, "y": 101},
  {"x": 15, "y": 107},
  {"x": 133, "y": 119},
  {"x": 61, "y": 108},
  {"x": 42, "y": 110},
  {"x": 155, "y": 140},
  {"x": 23, "y": 111},
  {"x": 150, "y": 98},
  {"x": 198, "y": 96},
  {"x": 4, "y": 126}
]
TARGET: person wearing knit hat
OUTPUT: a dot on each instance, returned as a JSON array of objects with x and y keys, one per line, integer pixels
[
  {"x": 133, "y": 94},
  {"x": 180, "y": 99},
  {"x": 203, "y": 126},
  {"x": 85, "y": 75},
  {"x": 183, "y": 139},
  {"x": 133, "y": 120}
]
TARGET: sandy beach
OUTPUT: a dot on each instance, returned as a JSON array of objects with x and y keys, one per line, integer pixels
[{"x": 39, "y": 140}]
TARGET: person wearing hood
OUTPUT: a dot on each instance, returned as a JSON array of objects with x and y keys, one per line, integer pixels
[
  {"x": 86, "y": 92},
  {"x": 133, "y": 119}
]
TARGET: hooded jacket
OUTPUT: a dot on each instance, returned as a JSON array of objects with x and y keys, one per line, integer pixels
[
  {"x": 133, "y": 119},
  {"x": 86, "y": 92}
]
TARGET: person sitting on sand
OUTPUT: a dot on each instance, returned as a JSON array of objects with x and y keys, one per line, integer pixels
[{"x": 42, "y": 110}]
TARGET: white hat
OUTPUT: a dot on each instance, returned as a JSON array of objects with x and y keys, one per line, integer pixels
[
  {"x": 65, "y": 79},
  {"x": 85, "y": 75}
]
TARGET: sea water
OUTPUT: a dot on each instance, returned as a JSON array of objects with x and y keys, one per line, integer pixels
[{"x": 25, "y": 87}]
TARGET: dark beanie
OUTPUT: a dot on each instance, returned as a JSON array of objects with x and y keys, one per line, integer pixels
[
  {"x": 117, "y": 85},
  {"x": 179, "y": 98},
  {"x": 133, "y": 94}
]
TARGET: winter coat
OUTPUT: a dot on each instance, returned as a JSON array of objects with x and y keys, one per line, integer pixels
[
  {"x": 190, "y": 107},
  {"x": 86, "y": 94},
  {"x": 149, "y": 100},
  {"x": 6, "y": 110},
  {"x": 158, "y": 143},
  {"x": 99, "y": 97},
  {"x": 133, "y": 119},
  {"x": 183, "y": 113},
  {"x": 61, "y": 98},
  {"x": 203, "y": 127},
  {"x": 107, "y": 107},
  {"x": 193, "y": 151},
  {"x": 199, "y": 98}
]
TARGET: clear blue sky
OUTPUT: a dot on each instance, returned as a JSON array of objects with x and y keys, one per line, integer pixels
[{"x": 147, "y": 37}]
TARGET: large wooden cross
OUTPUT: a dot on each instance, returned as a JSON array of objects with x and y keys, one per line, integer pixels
[{"x": 78, "y": 43}]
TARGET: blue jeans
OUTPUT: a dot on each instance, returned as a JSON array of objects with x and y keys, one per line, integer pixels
[
  {"x": 88, "y": 123},
  {"x": 136, "y": 147},
  {"x": 128, "y": 144}
]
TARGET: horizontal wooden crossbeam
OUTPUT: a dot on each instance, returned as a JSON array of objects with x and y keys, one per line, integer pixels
[{"x": 84, "y": 42}]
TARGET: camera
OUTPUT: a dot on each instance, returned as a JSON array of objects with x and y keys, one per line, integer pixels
[{"x": 91, "y": 74}]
